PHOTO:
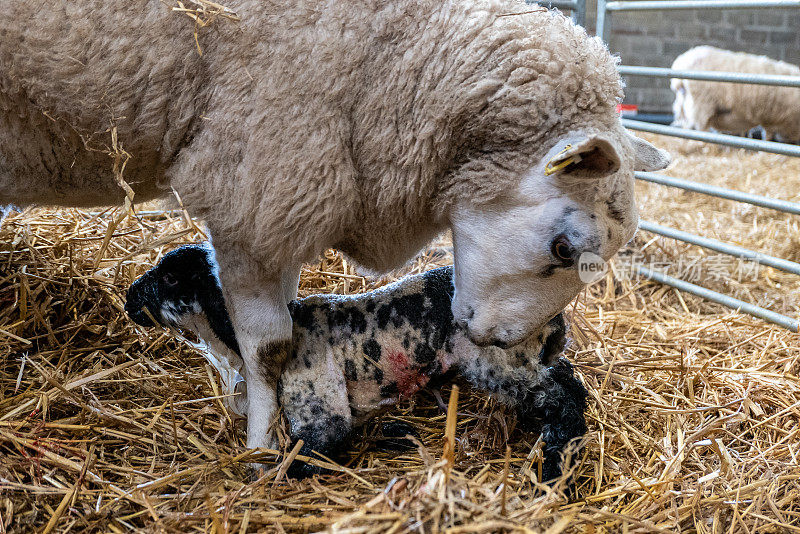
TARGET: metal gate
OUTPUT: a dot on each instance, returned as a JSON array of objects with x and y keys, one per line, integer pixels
[
  {"x": 577, "y": 7},
  {"x": 605, "y": 14}
]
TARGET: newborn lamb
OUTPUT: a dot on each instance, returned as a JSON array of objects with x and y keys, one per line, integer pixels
[{"x": 354, "y": 355}]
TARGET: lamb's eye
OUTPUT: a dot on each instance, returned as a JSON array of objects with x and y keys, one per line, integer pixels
[
  {"x": 169, "y": 280},
  {"x": 562, "y": 249}
]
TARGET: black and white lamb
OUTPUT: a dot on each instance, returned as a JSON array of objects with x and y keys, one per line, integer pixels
[{"x": 354, "y": 355}]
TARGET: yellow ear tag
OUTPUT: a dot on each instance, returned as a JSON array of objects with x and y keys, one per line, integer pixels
[{"x": 550, "y": 168}]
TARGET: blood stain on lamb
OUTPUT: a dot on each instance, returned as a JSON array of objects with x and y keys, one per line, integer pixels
[{"x": 408, "y": 377}]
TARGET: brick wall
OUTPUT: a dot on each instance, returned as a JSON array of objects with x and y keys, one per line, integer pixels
[{"x": 656, "y": 38}]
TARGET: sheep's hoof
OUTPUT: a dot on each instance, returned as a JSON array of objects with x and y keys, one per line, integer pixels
[{"x": 257, "y": 471}]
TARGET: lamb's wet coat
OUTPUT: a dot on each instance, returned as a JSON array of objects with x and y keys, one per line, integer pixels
[
  {"x": 355, "y": 355},
  {"x": 387, "y": 344}
]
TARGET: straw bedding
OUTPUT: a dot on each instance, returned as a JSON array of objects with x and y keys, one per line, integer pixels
[{"x": 693, "y": 409}]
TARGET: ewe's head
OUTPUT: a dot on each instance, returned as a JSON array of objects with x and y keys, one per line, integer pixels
[
  {"x": 543, "y": 173},
  {"x": 183, "y": 291},
  {"x": 517, "y": 256}
]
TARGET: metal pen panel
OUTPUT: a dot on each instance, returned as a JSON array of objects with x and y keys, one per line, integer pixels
[
  {"x": 579, "y": 13},
  {"x": 558, "y": 4},
  {"x": 578, "y": 8},
  {"x": 732, "y": 77},
  {"x": 659, "y": 5},
  {"x": 604, "y": 18},
  {"x": 720, "y": 298},
  {"x": 720, "y": 192},
  {"x": 719, "y": 246},
  {"x": 603, "y": 21},
  {"x": 714, "y": 137}
]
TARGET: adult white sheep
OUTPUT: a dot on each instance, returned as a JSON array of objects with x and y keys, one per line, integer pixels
[
  {"x": 366, "y": 126},
  {"x": 734, "y": 107}
]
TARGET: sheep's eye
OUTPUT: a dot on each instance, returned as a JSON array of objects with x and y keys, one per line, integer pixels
[
  {"x": 562, "y": 249},
  {"x": 170, "y": 280}
]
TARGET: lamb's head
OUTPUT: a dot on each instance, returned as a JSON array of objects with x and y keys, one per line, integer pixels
[
  {"x": 518, "y": 256},
  {"x": 183, "y": 291}
]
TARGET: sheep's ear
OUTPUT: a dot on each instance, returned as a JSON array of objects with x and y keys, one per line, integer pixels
[
  {"x": 648, "y": 157},
  {"x": 593, "y": 157}
]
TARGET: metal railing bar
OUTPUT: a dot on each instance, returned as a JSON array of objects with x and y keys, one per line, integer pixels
[
  {"x": 721, "y": 192},
  {"x": 719, "y": 246},
  {"x": 720, "y": 298},
  {"x": 652, "y": 5},
  {"x": 579, "y": 13},
  {"x": 714, "y": 137},
  {"x": 578, "y": 8},
  {"x": 559, "y": 4},
  {"x": 732, "y": 77},
  {"x": 603, "y": 23}
]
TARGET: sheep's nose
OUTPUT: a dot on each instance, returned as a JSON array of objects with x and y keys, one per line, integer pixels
[{"x": 482, "y": 339}]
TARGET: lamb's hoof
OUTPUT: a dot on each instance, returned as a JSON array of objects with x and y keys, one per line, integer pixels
[
  {"x": 551, "y": 472},
  {"x": 552, "y": 475},
  {"x": 301, "y": 470},
  {"x": 394, "y": 437}
]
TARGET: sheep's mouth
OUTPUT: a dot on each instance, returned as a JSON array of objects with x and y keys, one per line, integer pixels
[{"x": 144, "y": 317}]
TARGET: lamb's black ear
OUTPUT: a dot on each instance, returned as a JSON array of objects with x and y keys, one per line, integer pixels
[
  {"x": 555, "y": 340},
  {"x": 219, "y": 320},
  {"x": 212, "y": 302}
]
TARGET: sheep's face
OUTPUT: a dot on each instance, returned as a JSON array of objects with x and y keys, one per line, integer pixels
[
  {"x": 518, "y": 260},
  {"x": 183, "y": 291}
]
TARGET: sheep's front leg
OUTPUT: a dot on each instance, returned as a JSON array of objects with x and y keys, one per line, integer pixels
[{"x": 257, "y": 304}]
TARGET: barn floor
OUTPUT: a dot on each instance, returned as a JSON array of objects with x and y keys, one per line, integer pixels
[{"x": 693, "y": 412}]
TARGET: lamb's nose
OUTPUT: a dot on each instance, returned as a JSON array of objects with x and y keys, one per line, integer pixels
[
  {"x": 135, "y": 310},
  {"x": 129, "y": 306}
]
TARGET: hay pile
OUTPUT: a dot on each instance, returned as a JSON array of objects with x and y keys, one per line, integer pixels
[{"x": 108, "y": 427}]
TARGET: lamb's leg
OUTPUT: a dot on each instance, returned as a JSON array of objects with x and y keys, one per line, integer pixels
[
  {"x": 437, "y": 394},
  {"x": 257, "y": 303},
  {"x": 394, "y": 436},
  {"x": 552, "y": 400},
  {"x": 558, "y": 403}
]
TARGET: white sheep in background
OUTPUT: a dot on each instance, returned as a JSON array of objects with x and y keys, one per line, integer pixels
[
  {"x": 735, "y": 108},
  {"x": 370, "y": 127},
  {"x": 352, "y": 356}
]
